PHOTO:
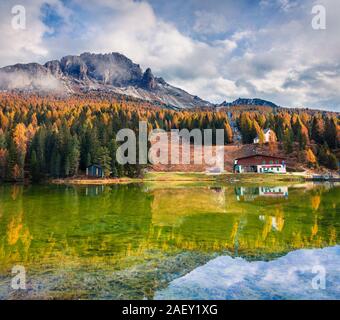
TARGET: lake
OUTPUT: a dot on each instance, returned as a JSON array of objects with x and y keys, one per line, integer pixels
[{"x": 156, "y": 241}]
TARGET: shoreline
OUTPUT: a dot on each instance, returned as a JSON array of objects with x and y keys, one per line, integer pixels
[{"x": 186, "y": 177}]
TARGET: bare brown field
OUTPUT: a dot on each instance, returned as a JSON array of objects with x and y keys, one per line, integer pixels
[{"x": 231, "y": 152}]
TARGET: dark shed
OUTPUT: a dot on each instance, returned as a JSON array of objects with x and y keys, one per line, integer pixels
[{"x": 95, "y": 170}]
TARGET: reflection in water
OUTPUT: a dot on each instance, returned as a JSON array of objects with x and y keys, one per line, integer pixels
[
  {"x": 94, "y": 190},
  {"x": 302, "y": 274},
  {"x": 118, "y": 229},
  {"x": 276, "y": 223},
  {"x": 251, "y": 193}
]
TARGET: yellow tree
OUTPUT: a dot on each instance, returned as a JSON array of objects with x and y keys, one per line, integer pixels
[
  {"x": 272, "y": 142},
  {"x": 20, "y": 138},
  {"x": 20, "y": 141},
  {"x": 259, "y": 133},
  {"x": 310, "y": 158},
  {"x": 228, "y": 132}
]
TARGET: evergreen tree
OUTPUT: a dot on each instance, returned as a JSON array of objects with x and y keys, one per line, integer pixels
[
  {"x": 332, "y": 162},
  {"x": 66, "y": 166},
  {"x": 34, "y": 167},
  {"x": 116, "y": 168},
  {"x": 288, "y": 140},
  {"x": 74, "y": 155},
  {"x": 12, "y": 166},
  {"x": 3, "y": 163},
  {"x": 317, "y": 130},
  {"x": 326, "y": 158},
  {"x": 331, "y": 133},
  {"x": 55, "y": 164},
  {"x": 104, "y": 160}
]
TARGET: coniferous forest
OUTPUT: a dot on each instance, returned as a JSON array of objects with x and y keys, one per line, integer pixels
[{"x": 53, "y": 137}]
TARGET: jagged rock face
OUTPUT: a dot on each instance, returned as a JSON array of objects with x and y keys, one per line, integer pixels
[
  {"x": 111, "y": 72},
  {"x": 74, "y": 67},
  {"x": 148, "y": 81},
  {"x": 113, "y": 69},
  {"x": 54, "y": 67}
]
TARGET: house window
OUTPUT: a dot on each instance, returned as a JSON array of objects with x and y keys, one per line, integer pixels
[
  {"x": 271, "y": 161},
  {"x": 264, "y": 162},
  {"x": 277, "y": 161}
]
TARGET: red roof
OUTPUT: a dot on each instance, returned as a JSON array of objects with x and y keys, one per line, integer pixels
[{"x": 261, "y": 155}]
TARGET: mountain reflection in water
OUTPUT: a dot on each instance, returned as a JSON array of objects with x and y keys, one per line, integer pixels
[{"x": 301, "y": 274}]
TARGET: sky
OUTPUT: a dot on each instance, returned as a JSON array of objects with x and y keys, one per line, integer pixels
[{"x": 218, "y": 50}]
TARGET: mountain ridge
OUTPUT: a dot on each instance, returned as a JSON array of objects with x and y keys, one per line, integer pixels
[
  {"x": 249, "y": 102},
  {"x": 111, "y": 72}
]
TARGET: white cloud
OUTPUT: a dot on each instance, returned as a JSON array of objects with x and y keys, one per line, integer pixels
[
  {"x": 281, "y": 60},
  {"x": 23, "y": 80},
  {"x": 24, "y": 45},
  {"x": 215, "y": 90}
]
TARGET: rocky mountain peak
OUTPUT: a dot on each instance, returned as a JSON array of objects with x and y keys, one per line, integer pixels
[
  {"x": 148, "y": 81},
  {"x": 111, "y": 72}
]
